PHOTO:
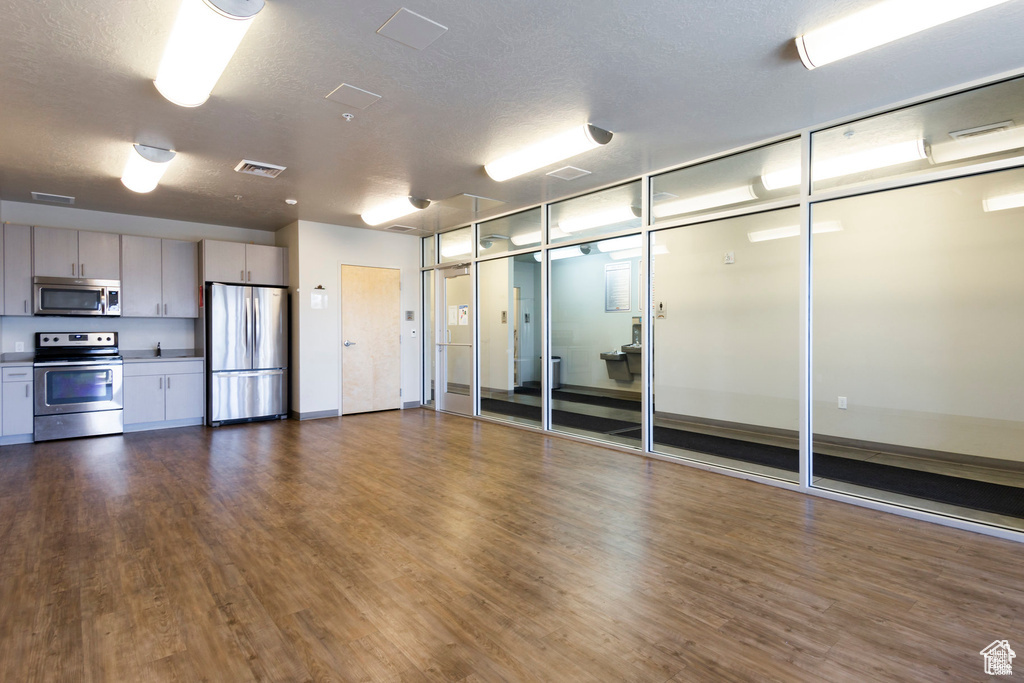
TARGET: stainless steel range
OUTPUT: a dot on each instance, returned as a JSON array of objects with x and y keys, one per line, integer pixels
[{"x": 78, "y": 383}]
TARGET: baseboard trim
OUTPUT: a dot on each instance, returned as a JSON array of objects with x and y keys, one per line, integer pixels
[
  {"x": 317, "y": 415},
  {"x": 15, "y": 439},
  {"x": 165, "y": 424}
]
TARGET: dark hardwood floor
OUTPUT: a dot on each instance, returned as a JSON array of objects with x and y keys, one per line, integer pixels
[{"x": 410, "y": 546}]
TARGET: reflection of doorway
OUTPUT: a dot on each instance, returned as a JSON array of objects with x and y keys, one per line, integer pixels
[
  {"x": 455, "y": 345},
  {"x": 371, "y": 328},
  {"x": 516, "y": 330}
]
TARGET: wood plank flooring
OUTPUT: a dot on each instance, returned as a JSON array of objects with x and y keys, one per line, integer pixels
[{"x": 413, "y": 546}]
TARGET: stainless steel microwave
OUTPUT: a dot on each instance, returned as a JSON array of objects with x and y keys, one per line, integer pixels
[{"x": 71, "y": 296}]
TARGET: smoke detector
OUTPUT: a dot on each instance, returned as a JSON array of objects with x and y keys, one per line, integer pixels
[{"x": 259, "y": 168}]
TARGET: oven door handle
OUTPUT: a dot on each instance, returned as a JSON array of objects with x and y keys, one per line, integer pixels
[{"x": 65, "y": 363}]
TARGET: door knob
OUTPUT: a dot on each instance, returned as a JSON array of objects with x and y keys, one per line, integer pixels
[{"x": 348, "y": 343}]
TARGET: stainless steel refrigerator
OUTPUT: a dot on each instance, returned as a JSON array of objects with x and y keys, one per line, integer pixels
[{"x": 247, "y": 353}]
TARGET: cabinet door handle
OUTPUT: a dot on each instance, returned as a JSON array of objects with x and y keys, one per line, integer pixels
[
  {"x": 26, "y": 391},
  {"x": 168, "y": 382},
  {"x": 72, "y": 270},
  {"x": 158, "y": 309},
  {"x": 26, "y": 305},
  {"x": 161, "y": 382},
  {"x": 17, "y": 374},
  {"x": 81, "y": 270},
  {"x": 241, "y": 275},
  {"x": 250, "y": 276}
]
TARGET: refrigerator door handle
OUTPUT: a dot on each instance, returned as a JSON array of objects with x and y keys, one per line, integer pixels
[
  {"x": 255, "y": 326},
  {"x": 248, "y": 333}
]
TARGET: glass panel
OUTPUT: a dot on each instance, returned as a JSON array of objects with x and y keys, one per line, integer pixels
[
  {"x": 457, "y": 245},
  {"x": 70, "y": 299},
  {"x": 766, "y": 174},
  {"x": 726, "y": 342},
  {"x": 428, "y": 338},
  {"x": 511, "y": 232},
  {"x": 510, "y": 342},
  {"x": 978, "y": 125},
  {"x": 596, "y": 381},
  {"x": 918, "y": 321},
  {"x": 459, "y": 369},
  {"x": 596, "y": 214},
  {"x": 428, "y": 250},
  {"x": 79, "y": 386}
]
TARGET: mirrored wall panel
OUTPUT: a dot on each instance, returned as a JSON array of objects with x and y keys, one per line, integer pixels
[
  {"x": 428, "y": 338},
  {"x": 765, "y": 174},
  {"x": 596, "y": 380},
  {"x": 510, "y": 233},
  {"x": 596, "y": 214},
  {"x": 510, "y": 341},
  {"x": 918, "y": 325},
  {"x": 456, "y": 246},
  {"x": 727, "y": 342},
  {"x": 978, "y": 125}
]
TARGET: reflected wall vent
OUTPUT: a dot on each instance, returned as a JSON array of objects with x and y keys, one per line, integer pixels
[
  {"x": 980, "y": 130},
  {"x": 259, "y": 168},
  {"x": 53, "y": 198}
]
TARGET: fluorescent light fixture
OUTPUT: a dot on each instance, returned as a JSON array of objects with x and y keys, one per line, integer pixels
[
  {"x": 658, "y": 250},
  {"x": 848, "y": 164},
  {"x": 619, "y": 243},
  {"x": 792, "y": 231},
  {"x": 1003, "y": 202},
  {"x": 396, "y": 208},
  {"x": 980, "y": 145},
  {"x": 145, "y": 167},
  {"x": 598, "y": 219},
  {"x": 525, "y": 239},
  {"x": 462, "y": 247},
  {"x": 203, "y": 40},
  {"x": 733, "y": 195},
  {"x": 559, "y": 254},
  {"x": 562, "y": 146},
  {"x": 880, "y": 24}
]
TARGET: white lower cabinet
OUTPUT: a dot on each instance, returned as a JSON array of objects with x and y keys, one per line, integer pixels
[
  {"x": 168, "y": 392},
  {"x": 17, "y": 404}
]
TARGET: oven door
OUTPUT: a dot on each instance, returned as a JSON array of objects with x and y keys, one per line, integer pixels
[
  {"x": 78, "y": 387},
  {"x": 51, "y": 296}
]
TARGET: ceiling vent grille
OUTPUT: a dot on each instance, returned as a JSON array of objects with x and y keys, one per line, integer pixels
[
  {"x": 981, "y": 130},
  {"x": 53, "y": 198},
  {"x": 568, "y": 173},
  {"x": 400, "y": 228},
  {"x": 259, "y": 168}
]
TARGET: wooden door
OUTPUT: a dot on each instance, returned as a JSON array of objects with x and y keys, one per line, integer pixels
[
  {"x": 371, "y": 343},
  {"x": 55, "y": 252},
  {"x": 140, "y": 284},
  {"x": 180, "y": 279},
  {"x": 99, "y": 255}
]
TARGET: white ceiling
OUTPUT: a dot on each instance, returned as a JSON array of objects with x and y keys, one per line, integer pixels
[{"x": 674, "y": 81}]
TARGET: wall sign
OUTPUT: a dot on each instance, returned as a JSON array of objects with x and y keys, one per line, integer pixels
[{"x": 618, "y": 286}]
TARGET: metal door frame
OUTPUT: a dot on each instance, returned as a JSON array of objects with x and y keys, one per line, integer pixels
[{"x": 448, "y": 402}]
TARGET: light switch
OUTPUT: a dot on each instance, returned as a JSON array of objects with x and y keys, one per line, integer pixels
[{"x": 842, "y": 403}]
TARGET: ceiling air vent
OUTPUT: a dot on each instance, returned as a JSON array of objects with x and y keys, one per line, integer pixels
[
  {"x": 981, "y": 130},
  {"x": 259, "y": 168},
  {"x": 400, "y": 228},
  {"x": 53, "y": 198},
  {"x": 569, "y": 173}
]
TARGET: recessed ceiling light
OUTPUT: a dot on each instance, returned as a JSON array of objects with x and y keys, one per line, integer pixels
[
  {"x": 203, "y": 40},
  {"x": 412, "y": 29},
  {"x": 880, "y": 24},
  {"x": 562, "y": 146},
  {"x": 396, "y": 208},
  {"x": 291, "y": 202},
  {"x": 145, "y": 166}
]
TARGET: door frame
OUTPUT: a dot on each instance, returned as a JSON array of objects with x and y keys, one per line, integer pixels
[
  {"x": 454, "y": 403},
  {"x": 341, "y": 331}
]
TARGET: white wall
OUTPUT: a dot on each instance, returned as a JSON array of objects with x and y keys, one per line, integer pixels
[
  {"x": 100, "y": 221},
  {"x": 322, "y": 250},
  {"x": 581, "y": 328}
]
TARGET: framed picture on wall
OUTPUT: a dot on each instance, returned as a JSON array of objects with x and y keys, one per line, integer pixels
[{"x": 618, "y": 286}]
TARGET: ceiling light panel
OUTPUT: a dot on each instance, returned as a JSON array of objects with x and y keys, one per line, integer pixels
[
  {"x": 351, "y": 96},
  {"x": 827, "y": 168},
  {"x": 414, "y": 30},
  {"x": 203, "y": 40},
  {"x": 879, "y": 24},
  {"x": 1004, "y": 202},
  {"x": 145, "y": 167},
  {"x": 711, "y": 200},
  {"x": 395, "y": 208}
]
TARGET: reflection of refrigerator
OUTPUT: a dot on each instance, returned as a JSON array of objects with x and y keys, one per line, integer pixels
[{"x": 247, "y": 353}]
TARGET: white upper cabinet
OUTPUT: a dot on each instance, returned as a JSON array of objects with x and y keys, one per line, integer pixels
[
  {"x": 59, "y": 252},
  {"x": 245, "y": 264},
  {"x": 17, "y": 270},
  {"x": 160, "y": 278}
]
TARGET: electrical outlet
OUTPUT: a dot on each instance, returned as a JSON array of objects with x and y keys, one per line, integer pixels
[
  {"x": 19, "y": 346},
  {"x": 842, "y": 403}
]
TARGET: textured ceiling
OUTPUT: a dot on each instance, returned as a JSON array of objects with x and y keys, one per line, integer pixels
[{"x": 674, "y": 80}]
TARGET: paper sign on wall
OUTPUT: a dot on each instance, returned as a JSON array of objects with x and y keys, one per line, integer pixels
[
  {"x": 318, "y": 299},
  {"x": 453, "y": 315},
  {"x": 464, "y": 314},
  {"x": 618, "y": 292}
]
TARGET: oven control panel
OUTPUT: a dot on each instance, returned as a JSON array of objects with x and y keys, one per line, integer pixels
[{"x": 88, "y": 339}]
